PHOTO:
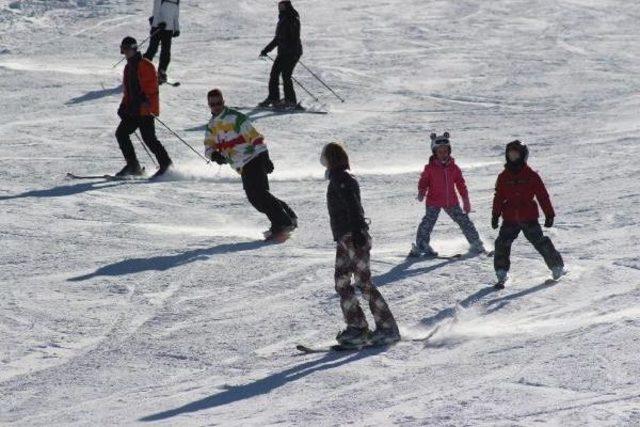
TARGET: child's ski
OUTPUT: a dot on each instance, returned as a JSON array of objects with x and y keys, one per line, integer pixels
[{"x": 107, "y": 177}]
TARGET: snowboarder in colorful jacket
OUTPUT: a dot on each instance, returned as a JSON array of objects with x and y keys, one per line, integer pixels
[
  {"x": 231, "y": 138},
  {"x": 438, "y": 183},
  {"x": 516, "y": 188},
  {"x": 140, "y": 104},
  {"x": 350, "y": 231},
  {"x": 165, "y": 26}
]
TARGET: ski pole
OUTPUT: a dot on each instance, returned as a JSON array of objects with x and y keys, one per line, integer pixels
[
  {"x": 181, "y": 140},
  {"x": 146, "y": 149},
  {"x": 139, "y": 46},
  {"x": 320, "y": 80},
  {"x": 315, "y": 98}
]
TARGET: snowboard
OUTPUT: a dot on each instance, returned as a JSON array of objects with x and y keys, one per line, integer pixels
[{"x": 342, "y": 348}]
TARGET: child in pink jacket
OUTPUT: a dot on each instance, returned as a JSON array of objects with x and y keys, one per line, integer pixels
[{"x": 439, "y": 181}]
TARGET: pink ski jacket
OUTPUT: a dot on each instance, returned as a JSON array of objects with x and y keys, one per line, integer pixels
[{"x": 440, "y": 181}]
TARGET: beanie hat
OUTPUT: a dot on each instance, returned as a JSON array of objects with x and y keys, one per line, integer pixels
[
  {"x": 129, "y": 43},
  {"x": 438, "y": 141}
]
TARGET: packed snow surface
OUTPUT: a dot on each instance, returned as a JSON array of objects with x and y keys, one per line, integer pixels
[{"x": 135, "y": 302}]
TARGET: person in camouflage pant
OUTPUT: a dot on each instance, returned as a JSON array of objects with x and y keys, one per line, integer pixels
[{"x": 350, "y": 231}]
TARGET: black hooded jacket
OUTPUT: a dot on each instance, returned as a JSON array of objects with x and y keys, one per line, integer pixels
[
  {"x": 287, "y": 37},
  {"x": 345, "y": 208}
]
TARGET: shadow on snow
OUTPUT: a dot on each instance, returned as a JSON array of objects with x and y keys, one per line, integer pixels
[
  {"x": 265, "y": 385},
  {"x": 166, "y": 262}
]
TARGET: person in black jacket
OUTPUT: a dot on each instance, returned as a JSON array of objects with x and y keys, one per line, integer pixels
[
  {"x": 350, "y": 231},
  {"x": 287, "y": 40}
]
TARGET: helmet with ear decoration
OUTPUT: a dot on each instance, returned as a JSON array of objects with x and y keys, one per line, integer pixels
[{"x": 440, "y": 141}]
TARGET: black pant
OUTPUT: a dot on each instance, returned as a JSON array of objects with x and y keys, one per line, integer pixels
[
  {"x": 283, "y": 65},
  {"x": 256, "y": 186},
  {"x": 533, "y": 232},
  {"x": 160, "y": 37},
  {"x": 146, "y": 124}
]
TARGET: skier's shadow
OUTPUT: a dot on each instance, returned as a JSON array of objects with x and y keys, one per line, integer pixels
[
  {"x": 95, "y": 94},
  {"x": 167, "y": 262},
  {"x": 402, "y": 271},
  {"x": 498, "y": 303},
  {"x": 450, "y": 312},
  {"x": 63, "y": 190},
  {"x": 265, "y": 385}
]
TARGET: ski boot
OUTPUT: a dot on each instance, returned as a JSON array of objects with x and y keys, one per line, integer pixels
[
  {"x": 385, "y": 336},
  {"x": 285, "y": 105},
  {"x": 418, "y": 252},
  {"x": 161, "y": 170},
  {"x": 558, "y": 271},
  {"x": 268, "y": 103},
  {"x": 162, "y": 77},
  {"x": 353, "y": 337},
  {"x": 477, "y": 248},
  {"x": 130, "y": 169},
  {"x": 279, "y": 234},
  {"x": 502, "y": 278}
]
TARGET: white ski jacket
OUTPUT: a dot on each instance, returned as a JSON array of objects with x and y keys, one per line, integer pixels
[{"x": 167, "y": 11}]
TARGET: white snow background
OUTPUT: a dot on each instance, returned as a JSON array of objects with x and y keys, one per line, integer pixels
[{"x": 128, "y": 303}]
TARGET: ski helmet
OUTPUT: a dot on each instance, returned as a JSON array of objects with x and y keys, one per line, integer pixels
[
  {"x": 128, "y": 43},
  {"x": 440, "y": 141},
  {"x": 519, "y": 146}
]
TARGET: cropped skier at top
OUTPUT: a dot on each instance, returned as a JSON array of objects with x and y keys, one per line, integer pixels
[
  {"x": 287, "y": 40},
  {"x": 439, "y": 181},
  {"x": 140, "y": 103},
  {"x": 164, "y": 27},
  {"x": 231, "y": 138},
  {"x": 516, "y": 188},
  {"x": 350, "y": 231}
]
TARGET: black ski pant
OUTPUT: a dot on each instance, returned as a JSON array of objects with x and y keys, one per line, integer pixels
[
  {"x": 161, "y": 37},
  {"x": 533, "y": 232},
  {"x": 283, "y": 65},
  {"x": 147, "y": 127},
  {"x": 256, "y": 186}
]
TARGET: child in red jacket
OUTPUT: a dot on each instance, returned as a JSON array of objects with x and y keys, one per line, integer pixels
[
  {"x": 516, "y": 187},
  {"x": 439, "y": 181}
]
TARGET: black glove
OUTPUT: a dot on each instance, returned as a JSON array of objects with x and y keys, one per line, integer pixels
[
  {"x": 268, "y": 164},
  {"x": 548, "y": 222},
  {"x": 217, "y": 157},
  {"x": 359, "y": 239},
  {"x": 263, "y": 52},
  {"x": 162, "y": 26},
  {"x": 176, "y": 33},
  {"x": 151, "y": 20},
  {"x": 495, "y": 222},
  {"x": 153, "y": 30},
  {"x": 122, "y": 112}
]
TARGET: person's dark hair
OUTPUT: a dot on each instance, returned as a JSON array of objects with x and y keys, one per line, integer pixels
[
  {"x": 335, "y": 157},
  {"x": 215, "y": 93},
  {"x": 289, "y": 9}
]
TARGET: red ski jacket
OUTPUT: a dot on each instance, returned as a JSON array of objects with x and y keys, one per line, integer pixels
[
  {"x": 514, "y": 195},
  {"x": 440, "y": 181}
]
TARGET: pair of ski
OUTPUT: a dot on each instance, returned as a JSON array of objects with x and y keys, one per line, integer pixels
[
  {"x": 298, "y": 109},
  {"x": 347, "y": 348},
  {"x": 108, "y": 177}
]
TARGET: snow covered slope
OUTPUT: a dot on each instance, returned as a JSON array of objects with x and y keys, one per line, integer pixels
[{"x": 125, "y": 303}]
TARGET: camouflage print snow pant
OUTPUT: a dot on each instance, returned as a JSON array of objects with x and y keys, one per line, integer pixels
[
  {"x": 351, "y": 261},
  {"x": 457, "y": 215}
]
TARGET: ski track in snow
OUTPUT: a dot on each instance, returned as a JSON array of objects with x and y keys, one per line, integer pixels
[{"x": 130, "y": 302}]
